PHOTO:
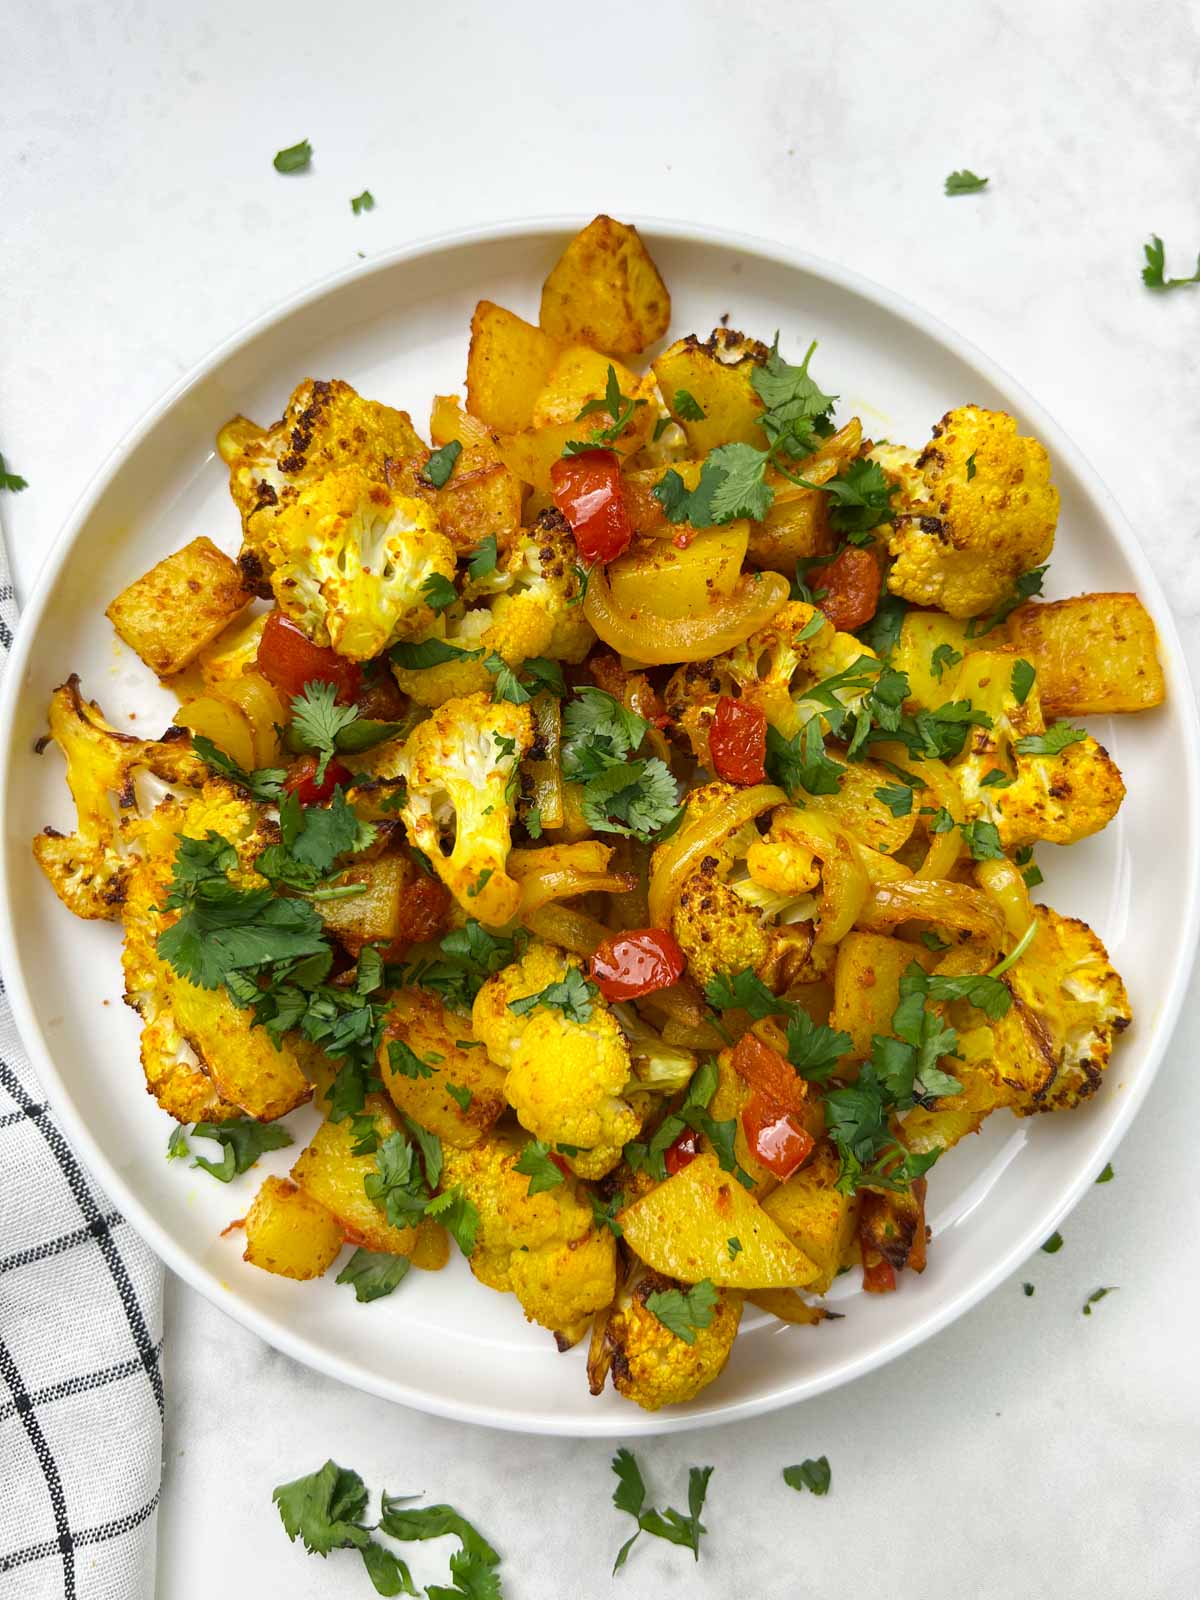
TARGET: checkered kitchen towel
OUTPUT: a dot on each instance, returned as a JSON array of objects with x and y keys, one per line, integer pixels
[{"x": 81, "y": 1394}]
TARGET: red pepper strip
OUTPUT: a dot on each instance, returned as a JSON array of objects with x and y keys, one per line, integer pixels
[
  {"x": 289, "y": 658},
  {"x": 737, "y": 741},
  {"x": 775, "y": 1136},
  {"x": 302, "y": 780},
  {"x": 631, "y": 964},
  {"x": 587, "y": 490},
  {"x": 766, "y": 1071},
  {"x": 681, "y": 1152}
]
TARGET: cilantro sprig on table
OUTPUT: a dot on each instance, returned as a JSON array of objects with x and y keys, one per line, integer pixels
[
  {"x": 1154, "y": 271},
  {"x": 326, "y": 1511},
  {"x": 630, "y": 1496}
]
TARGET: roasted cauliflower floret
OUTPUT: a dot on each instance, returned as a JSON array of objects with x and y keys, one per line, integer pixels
[
  {"x": 1068, "y": 981},
  {"x": 653, "y": 1366},
  {"x": 203, "y": 1058},
  {"x": 326, "y": 425},
  {"x": 461, "y": 769},
  {"x": 544, "y": 1248},
  {"x": 1059, "y": 796},
  {"x": 568, "y": 1063},
  {"x": 529, "y": 606},
  {"x": 984, "y": 511},
  {"x": 348, "y": 561},
  {"x": 772, "y": 670},
  {"x": 725, "y": 920},
  {"x": 89, "y": 868}
]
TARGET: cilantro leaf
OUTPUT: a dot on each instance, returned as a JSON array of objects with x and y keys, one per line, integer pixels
[
  {"x": 535, "y": 1163},
  {"x": 983, "y": 841},
  {"x": 745, "y": 991},
  {"x": 882, "y": 633},
  {"x": 373, "y": 1274},
  {"x": 1107, "y": 1175},
  {"x": 1026, "y": 586},
  {"x": 686, "y": 407},
  {"x": 1051, "y": 743},
  {"x": 11, "y": 481},
  {"x": 295, "y": 158},
  {"x": 265, "y": 784},
  {"x": 242, "y": 1140},
  {"x": 965, "y": 182},
  {"x": 431, "y": 1151},
  {"x": 630, "y": 1496},
  {"x": 797, "y": 410},
  {"x": 1156, "y": 260},
  {"x": 897, "y": 797},
  {"x": 815, "y": 1476},
  {"x": 813, "y": 1048},
  {"x": 1023, "y": 676},
  {"x": 597, "y": 725},
  {"x": 362, "y": 202},
  {"x": 604, "y": 1212},
  {"x": 457, "y": 1212},
  {"x": 1053, "y": 1244},
  {"x": 637, "y": 798},
  {"x": 468, "y": 957},
  {"x": 418, "y": 657},
  {"x": 800, "y": 762},
  {"x": 461, "y": 1095},
  {"x": 862, "y": 498},
  {"x": 402, "y": 1058},
  {"x": 397, "y": 1185},
  {"x": 441, "y": 463},
  {"x": 573, "y": 996},
  {"x": 733, "y": 483},
  {"x": 1097, "y": 1295},
  {"x": 485, "y": 559},
  {"x": 685, "y": 1312},
  {"x": 317, "y": 720},
  {"x": 944, "y": 656},
  {"x": 178, "y": 1147},
  {"x": 438, "y": 592},
  {"x": 508, "y": 686},
  {"x": 473, "y": 1568}
]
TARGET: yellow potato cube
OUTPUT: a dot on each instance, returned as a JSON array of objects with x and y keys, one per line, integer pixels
[
  {"x": 1094, "y": 653},
  {"x": 605, "y": 291},
  {"x": 332, "y": 1174},
  {"x": 507, "y": 367},
  {"x": 679, "y": 583},
  {"x": 866, "y": 986},
  {"x": 444, "y": 1043},
  {"x": 683, "y": 1227},
  {"x": 289, "y": 1233},
  {"x": 179, "y": 606},
  {"x": 815, "y": 1216},
  {"x": 922, "y": 634},
  {"x": 722, "y": 390}
]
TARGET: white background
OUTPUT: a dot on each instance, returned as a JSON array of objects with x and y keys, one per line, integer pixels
[{"x": 1028, "y": 1450}]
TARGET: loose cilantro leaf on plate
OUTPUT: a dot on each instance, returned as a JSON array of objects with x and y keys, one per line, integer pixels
[
  {"x": 535, "y": 1163},
  {"x": 635, "y": 798},
  {"x": 468, "y": 956},
  {"x": 295, "y": 158},
  {"x": 619, "y": 409},
  {"x": 800, "y": 762},
  {"x": 897, "y": 797},
  {"x": 1027, "y": 1289},
  {"x": 686, "y": 1312},
  {"x": 1107, "y": 1175},
  {"x": 441, "y": 463},
  {"x": 242, "y": 1140},
  {"x": 1053, "y": 1244},
  {"x": 461, "y": 1095},
  {"x": 402, "y": 1058},
  {"x": 373, "y": 1274},
  {"x": 861, "y": 498},
  {"x": 1051, "y": 743},
  {"x": 438, "y": 592},
  {"x": 1156, "y": 260},
  {"x": 457, "y": 1213},
  {"x": 604, "y": 1212},
  {"x": 734, "y": 1246},
  {"x": 397, "y": 1185},
  {"x": 965, "y": 182},
  {"x": 745, "y": 991},
  {"x": 362, "y": 202},
  {"x": 883, "y": 631},
  {"x": 573, "y": 996},
  {"x": 814, "y": 1476},
  {"x": 687, "y": 407},
  {"x": 519, "y": 685},
  {"x": 178, "y": 1147},
  {"x": 983, "y": 841},
  {"x": 813, "y": 1048},
  {"x": 1023, "y": 675},
  {"x": 598, "y": 731},
  {"x": 11, "y": 481},
  {"x": 485, "y": 559}
]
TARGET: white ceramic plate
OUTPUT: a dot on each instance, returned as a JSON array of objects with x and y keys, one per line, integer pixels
[{"x": 397, "y": 330}]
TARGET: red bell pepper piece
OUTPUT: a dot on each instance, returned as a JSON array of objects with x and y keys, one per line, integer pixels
[
  {"x": 631, "y": 964},
  {"x": 587, "y": 490},
  {"x": 775, "y": 1136},
  {"x": 737, "y": 741},
  {"x": 289, "y": 658}
]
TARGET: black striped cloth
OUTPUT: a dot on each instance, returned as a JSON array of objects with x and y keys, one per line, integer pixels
[{"x": 81, "y": 1394}]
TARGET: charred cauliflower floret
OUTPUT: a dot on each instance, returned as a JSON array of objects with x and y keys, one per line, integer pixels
[
  {"x": 348, "y": 560},
  {"x": 529, "y": 606},
  {"x": 544, "y": 1248},
  {"x": 203, "y": 1058},
  {"x": 326, "y": 425},
  {"x": 651, "y": 1365},
  {"x": 567, "y": 1061},
  {"x": 461, "y": 769},
  {"x": 984, "y": 511},
  {"x": 726, "y": 921},
  {"x": 89, "y": 868},
  {"x": 1068, "y": 981},
  {"x": 772, "y": 670},
  {"x": 1056, "y": 794}
]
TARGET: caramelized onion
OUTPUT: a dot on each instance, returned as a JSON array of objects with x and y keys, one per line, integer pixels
[
  {"x": 657, "y": 640},
  {"x": 683, "y": 854}
]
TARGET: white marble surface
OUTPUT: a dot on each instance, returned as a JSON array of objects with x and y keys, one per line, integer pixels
[{"x": 1026, "y": 1451}]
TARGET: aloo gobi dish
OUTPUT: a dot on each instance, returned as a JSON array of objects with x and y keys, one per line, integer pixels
[{"x": 616, "y": 816}]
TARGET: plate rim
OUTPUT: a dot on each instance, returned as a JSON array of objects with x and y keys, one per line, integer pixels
[{"x": 1160, "y": 1030}]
